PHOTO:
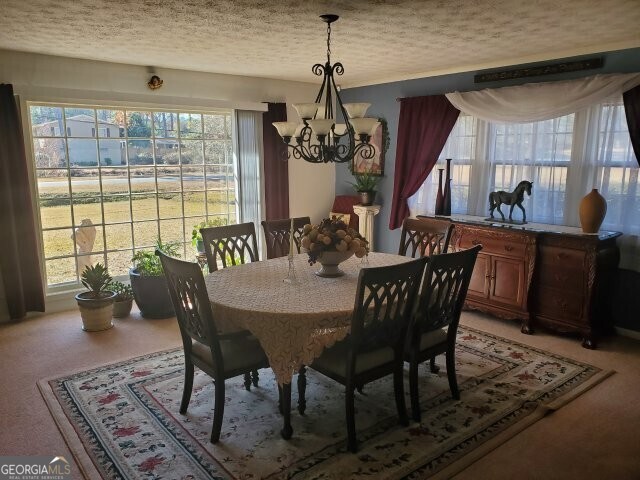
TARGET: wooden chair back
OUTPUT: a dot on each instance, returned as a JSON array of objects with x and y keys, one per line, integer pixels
[
  {"x": 230, "y": 244},
  {"x": 425, "y": 237},
  {"x": 443, "y": 291},
  {"x": 384, "y": 301},
  {"x": 191, "y": 303},
  {"x": 276, "y": 234}
]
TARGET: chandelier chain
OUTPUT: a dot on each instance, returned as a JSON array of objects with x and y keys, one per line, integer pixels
[{"x": 329, "y": 43}]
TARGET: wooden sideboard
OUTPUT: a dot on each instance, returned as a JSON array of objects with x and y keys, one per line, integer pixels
[{"x": 541, "y": 274}]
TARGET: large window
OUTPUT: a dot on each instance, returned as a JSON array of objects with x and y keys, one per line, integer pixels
[
  {"x": 564, "y": 157},
  {"x": 112, "y": 181}
]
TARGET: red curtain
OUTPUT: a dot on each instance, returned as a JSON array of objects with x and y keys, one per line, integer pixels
[
  {"x": 276, "y": 168},
  {"x": 19, "y": 254},
  {"x": 632, "y": 111},
  {"x": 423, "y": 128}
]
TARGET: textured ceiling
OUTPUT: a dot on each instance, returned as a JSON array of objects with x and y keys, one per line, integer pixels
[{"x": 377, "y": 40}]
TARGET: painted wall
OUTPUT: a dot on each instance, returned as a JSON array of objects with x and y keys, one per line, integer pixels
[
  {"x": 49, "y": 78},
  {"x": 383, "y": 104}
]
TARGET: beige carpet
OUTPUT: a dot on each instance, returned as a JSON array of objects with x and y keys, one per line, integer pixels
[{"x": 592, "y": 437}]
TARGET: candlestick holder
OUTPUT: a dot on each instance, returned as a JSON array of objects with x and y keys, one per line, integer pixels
[{"x": 291, "y": 273}]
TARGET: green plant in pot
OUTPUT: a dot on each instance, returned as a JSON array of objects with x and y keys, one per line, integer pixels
[
  {"x": 196, "y": 237},
  {"x": 123, "y": 300},
  {"x": 96, "y": 305},
  {"x": 365, "y": 184},
  {"x": 149, "y": 285}
]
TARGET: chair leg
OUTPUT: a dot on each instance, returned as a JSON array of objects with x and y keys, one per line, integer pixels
[
  {"x": 413, "y": 390},
  {"x": 218, "y": 410},
  {"x": 398, "y": 388},
  {"x": 255, "y": 377},
  {"x": 302, "y": 389},
  {"x": 432, "y": 365},
  {"x": 188, "y": 386},
  {"x": 451, "y": 373},
  {"x": 247, "y": 381},
  {"x": 352, "y": 443}
]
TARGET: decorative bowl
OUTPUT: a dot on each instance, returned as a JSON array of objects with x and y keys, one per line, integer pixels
[{"x": 330, "y": 261}]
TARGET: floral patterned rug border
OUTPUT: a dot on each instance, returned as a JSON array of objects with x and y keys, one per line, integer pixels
[{"x": 119, "y": 419}]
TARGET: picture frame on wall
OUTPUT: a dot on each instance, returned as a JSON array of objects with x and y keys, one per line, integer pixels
[{"x": 380, "y": 141}]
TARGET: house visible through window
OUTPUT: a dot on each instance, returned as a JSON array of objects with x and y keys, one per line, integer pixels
[{"x": 146, "y": 174}]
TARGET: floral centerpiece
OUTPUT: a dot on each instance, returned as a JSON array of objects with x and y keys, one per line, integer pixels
[{"x": 332, "y": 242}]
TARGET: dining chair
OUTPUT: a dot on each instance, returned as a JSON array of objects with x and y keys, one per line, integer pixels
[
  {"x": 424, "y": 237},
  {"x": 219, "y": 356},
  {"x": 374, "y": 348},
  {"x": 230, "y": 245},
  {"x": 434, "y": 325},
  {"x": 276, "y": 234}
]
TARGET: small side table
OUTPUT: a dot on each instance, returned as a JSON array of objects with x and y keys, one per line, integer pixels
[{"x": 366, "y": 217}]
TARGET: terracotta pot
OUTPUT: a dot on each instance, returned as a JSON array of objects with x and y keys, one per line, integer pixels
[{"x": 593, "y": 208}]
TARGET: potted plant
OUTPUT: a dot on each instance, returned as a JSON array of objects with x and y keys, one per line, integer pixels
[
  {"x": 123, "y": 300},
  {"x": 96, "y": 305},
  {"x": 149, "y": 285},
  {"x": 196, "y": 237},
  {"x": 365, "y": 184}
]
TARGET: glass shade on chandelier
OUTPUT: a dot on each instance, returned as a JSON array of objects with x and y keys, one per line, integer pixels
[{"x": 317, "y": 138}]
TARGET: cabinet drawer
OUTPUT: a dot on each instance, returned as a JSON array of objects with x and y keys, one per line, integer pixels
[
  {"x": 493, "y": 245},
  {"x": 556, "y": 276},
  {"x": 562, "y": 257},
  {"x": 559, "y": 304}
]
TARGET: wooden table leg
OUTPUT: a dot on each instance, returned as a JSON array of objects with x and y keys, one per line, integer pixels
[
  {"x": 302, "y": 388},
  {"x": 285, "y": 396}
]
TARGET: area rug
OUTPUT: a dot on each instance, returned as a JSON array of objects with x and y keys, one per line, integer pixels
[{"x": 121, "y": 421}]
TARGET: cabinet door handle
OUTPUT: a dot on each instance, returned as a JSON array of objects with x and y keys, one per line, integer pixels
[
  {"x": 493, "y": 277},
  {"x": 488, "y": 275}
]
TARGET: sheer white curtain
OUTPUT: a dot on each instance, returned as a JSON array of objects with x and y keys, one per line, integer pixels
[
  {"x": 564, "y": 157},
  {"x": 247, "y": 136}
]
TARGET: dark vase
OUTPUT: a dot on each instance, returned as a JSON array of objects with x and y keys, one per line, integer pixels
[
  {"x": 151, "y": 295},
  {"x": 439, "y": 195},
  {"x": 446, "y": 209},
  {"x": 367, "y": 197}
]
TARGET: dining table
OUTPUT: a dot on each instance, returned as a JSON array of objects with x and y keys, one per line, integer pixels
[{"x": 294, "y": 320}]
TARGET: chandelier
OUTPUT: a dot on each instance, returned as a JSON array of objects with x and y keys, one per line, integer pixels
[{"x": 318, "y": 138}]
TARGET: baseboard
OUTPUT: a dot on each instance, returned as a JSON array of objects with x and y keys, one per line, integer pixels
[{"x": 625, "y": 332}]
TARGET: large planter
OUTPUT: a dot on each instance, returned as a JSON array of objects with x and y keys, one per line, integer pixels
[
  {"x": 96, "y": 313},
  {"x": 151, "y": 295},
  {"x": 593, "y": 208},
  {"x": 330, "y": 262}
]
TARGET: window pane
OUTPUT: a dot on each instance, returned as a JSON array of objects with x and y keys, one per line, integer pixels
[
  {"x": 166, "y": 152},
  {"x": 111, "y": 153},
  {"x": 140, "y": 152},
  {"x": 214, "y": 152},
  {"x": 214, "y": 126},
  {"x": 55, "y": 212},
  {"x": 143, "y": 180},
  {"x": 80, "y": 122},
  {"x": 46, "y": 121},
  {"x": 170, "y": 205},
  {"x": 52, "y": 183},
  {"x": 84, "y": 182},
  {"x": 61, "y": 270},
  {"x": 145, "y": 234},
  {"x": 50, "y": 153},
  {"x": 144, "y": 207},
  {"x": 217, "y": 202},
  {"x": 194, "y": 203},
  {"x": 118, "y": 236},
  {"x": 119, "y": 263},
  {"x": 87, "y": 208},
  {"x": 190, "y": 125},
  {"x": 191, "y": 152},
  {"x": 139, "y": 124},
  {"x": 116, "y": 208},
  {"x": 83, "y": 153},
  {"x": 169, "y": 179},
  {"x": 192, "y": 178},
  {"x": 115, "y": 180},
  {"x": 165, "y": 124},
  {"x": 58, "y": 242},
  {"x": 111, "y": 123},
  {"x": 171, "y": 230}
]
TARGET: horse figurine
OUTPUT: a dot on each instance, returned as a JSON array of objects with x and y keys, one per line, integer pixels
[{"x": 514, "y": 198}]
